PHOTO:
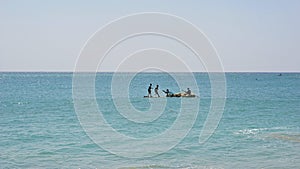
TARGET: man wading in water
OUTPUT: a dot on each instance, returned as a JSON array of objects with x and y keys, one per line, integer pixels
[
  {"x": 156, "y": 90},
  {"x": 149, "y": 90}
]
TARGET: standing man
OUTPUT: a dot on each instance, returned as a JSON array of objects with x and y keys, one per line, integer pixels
[
  {"x": 156, "y": 90},
  {"x": 149, "y": 90}
]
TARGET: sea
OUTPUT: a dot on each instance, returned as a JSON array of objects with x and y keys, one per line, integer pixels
[{"x": 41, "y": 127}]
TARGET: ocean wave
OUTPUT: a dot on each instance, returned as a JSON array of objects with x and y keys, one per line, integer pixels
[
  {"x": 249, "y": 131},
  {"x": 254, "y": 131}
]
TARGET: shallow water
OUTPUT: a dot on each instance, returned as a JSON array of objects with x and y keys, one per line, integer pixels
[{"x": 260, "y": 126}]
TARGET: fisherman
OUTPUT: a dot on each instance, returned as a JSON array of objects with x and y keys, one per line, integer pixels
[
  {"x": 169, "y": 94},
  {"x": 149, "y": 90},
  {"x": 156, "y": 90},
  {"x": 188, "y": 92}
]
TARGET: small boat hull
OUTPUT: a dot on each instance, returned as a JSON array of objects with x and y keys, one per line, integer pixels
[{"x": 180, "y": 95}]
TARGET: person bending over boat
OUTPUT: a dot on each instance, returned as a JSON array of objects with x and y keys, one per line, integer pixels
[
  {"x": 149, "y": 90},
  {"x": 188, "y": 92},
  {"x": 156, "y": 90},
  {"x": 169, "y": 94}
]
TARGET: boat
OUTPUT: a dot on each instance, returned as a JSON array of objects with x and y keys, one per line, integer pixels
[{"x": 181, "y": 95}]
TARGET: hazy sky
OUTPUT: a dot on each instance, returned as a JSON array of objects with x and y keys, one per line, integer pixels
[{"x": 249, "y": 35}]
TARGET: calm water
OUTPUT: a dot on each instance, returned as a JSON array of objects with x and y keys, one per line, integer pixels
[{"x": 260, "y": 127}]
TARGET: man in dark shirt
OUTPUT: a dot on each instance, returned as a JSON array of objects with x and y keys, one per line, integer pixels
[{"x": 149, "y": 90}]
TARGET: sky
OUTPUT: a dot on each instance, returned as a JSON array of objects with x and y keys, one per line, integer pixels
[{"x": 249, "y": 35}]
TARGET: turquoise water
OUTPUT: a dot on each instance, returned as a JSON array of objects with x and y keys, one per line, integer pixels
[{"x": 260, "y": 127}]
